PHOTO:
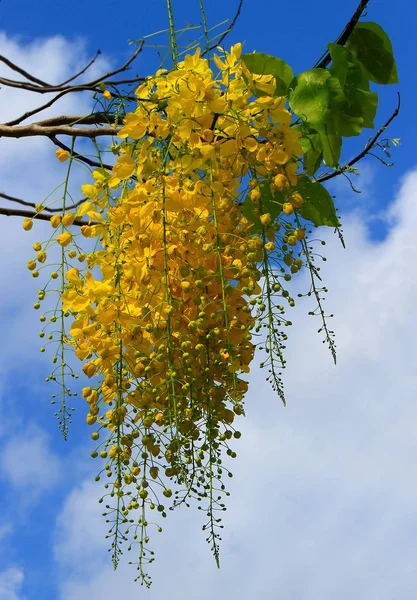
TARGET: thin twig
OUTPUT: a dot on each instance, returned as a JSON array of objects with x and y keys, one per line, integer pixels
[
  {"x": 92, "y": 119},
  {"x": 34, "y": 129},
  {"x": 28, "y": 76},
  {"x": 92, "y": 61},
  {"x": 15, "y": 212},
  {"x": 33, "y": 205},
  {"x": 367, "y": 148},
  {"x": 228, "y": 30},
  {"x": 91, "y": 85},
  {"x": 122, "y": 68},
  {"x": 344, "y": 36},
  {"x": 81, "y": 157}
]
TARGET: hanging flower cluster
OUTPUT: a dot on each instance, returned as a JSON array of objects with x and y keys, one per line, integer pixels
[{"x": 164, "y": 307}]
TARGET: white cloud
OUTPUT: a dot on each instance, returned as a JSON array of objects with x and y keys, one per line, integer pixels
[
  {"x": 11, "y": 580},
  {"x": 5, "y": 530},
  {"x": 324, "y": 495},
  {"x": 28, "y": 462},
  {"x": 29, "y": 170}
]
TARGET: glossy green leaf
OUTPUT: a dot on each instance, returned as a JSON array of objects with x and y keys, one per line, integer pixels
[
  {"x": 353, "y": 105},
  {"x": 264, "y": 64},
  {"x": 318, "y": 206},
  {"x": 346, "y": 69},
  {"x": 248, "y": 212},
  {"x": 344, "y": 118},
  {"x": 332, "y": 146},
  {"x": 271, "y": 202},
  {"x": 372, "y": 47},
  {"x": 310, "y": 96},
  {"x": 312, "y": 149}
]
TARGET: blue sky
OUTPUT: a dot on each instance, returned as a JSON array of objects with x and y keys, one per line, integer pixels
[{"x": 323, "y": 499}]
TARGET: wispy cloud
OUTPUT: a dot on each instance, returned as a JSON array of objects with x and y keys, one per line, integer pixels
[
  {"x": 11, "y": 580},
  {"x": 324, "y": 496}
]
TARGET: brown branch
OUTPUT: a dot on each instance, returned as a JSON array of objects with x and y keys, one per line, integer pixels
[
  {"x": 30, "y": 113},
  {"x": 91, "y": 119},
  {"x": 122, "y": 68},
  {"x": 228, "y": 30},
  {"x": 367, "y": 148},
  {"x": 15, "y": 212},
  {"x": 35, "y": 129},
  {"x": 28, "y": 76},
  {"x": 91, "y": 85},
  {"x": 33, "y": 205},
  {"x": 344, "y": 36},
  {"x": 92, "y": 61},
  {"x": 80, "y": 157}
]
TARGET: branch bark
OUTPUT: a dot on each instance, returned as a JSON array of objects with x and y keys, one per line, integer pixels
[
  {"x": 367, "y": 148},
  {"x": 344, "y": 36}
]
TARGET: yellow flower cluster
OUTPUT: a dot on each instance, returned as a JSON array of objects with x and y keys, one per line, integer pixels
[
  {"x": 179, "y": 256},
  {"x": 163, "y": 312}
]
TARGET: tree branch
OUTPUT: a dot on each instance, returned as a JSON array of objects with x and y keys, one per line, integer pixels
[
  {"x": 36, "y": 129},
  {"x": 84, "y": 159},
  {"x": 228, "y": 30},
  {"x": 33, "y": 205},
  {"x": 25, "y": 74},
  {"x": 367, "y": 148},
  {"x": 344, "y": 36},
  {"x": 16, "y": 212},
  {"x": 92, "y": 61}
]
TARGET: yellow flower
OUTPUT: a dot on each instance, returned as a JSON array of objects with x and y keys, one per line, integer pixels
[
  {"x": 288, "y": 208},
  {"x": 107, "y": 94},
  {"x": 27, "y": 224},
  {"x": 62, "y": 155},
  {"x": 68, "y": 219},
  {"x": 281, "y": 182},
  {"x": 31, "y": 265},
  {"x": 266, "y": 219},
  {"x": 41, "y": 256},
  {"x": 300, "y": 234},
  {"x": 297, "y": 200},
  {"x": 55, "y": 221},
  {"x": 64, "y": 238}
]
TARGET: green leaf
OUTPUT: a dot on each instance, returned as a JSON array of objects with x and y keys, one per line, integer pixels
[
  {"x": 264, "y": 64},
  {"x": 318, "y": 206},
  {"x": 310, "y": 96},
  {"x": 312, "y": 149},
  {"x": 248, "y": 212},
  {"x": 348, "y": 72},
  {"x": 369, "y": 103},
  {"x": 271, "y": 203},
  {"x": 353, "y": 105},
  {"x": 332, "y": 146},
  {"x": 372, "y": 47},
  {"x": 344, "y": 117}
]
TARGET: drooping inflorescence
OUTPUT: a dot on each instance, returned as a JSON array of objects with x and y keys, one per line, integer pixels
[{"x": 181, "y": 267}]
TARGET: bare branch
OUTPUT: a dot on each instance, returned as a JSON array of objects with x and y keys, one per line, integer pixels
[
  {"x": 35, "y": 129},
  {"x": 91, "y": 119},
  {"x": 30, "y": 113},
  {"x": 92, "y": 61},
  {"x": 49, "y": 89},
  {"x": 344, "y": 36},
  {"x": 15, "y": 212},
  {"x": 80, "y": 157},
  {"x": 25, "y": 74},
  {"x": 367, "y": 148},
  {"x": 228, "y": 30},
  {"x": 122, "y": 68},
  {"x": 33, "y": 205}
]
